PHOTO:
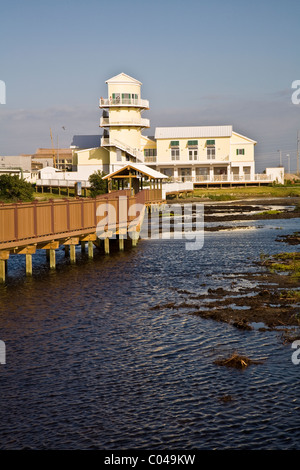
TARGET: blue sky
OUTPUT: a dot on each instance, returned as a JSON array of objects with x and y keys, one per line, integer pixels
[{"x": 201, "y": 63}]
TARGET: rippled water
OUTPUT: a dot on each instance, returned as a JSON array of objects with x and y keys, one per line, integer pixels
[{"x": 89, "y": 364}]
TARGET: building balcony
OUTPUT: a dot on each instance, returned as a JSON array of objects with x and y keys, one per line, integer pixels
[
  {"x": 151, "y": 159},
  {"x": 107, "y": 122},
  {"x": 126, "y": 102}
]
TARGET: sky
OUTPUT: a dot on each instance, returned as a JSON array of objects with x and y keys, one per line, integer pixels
[{"x": 200, "y": 63}]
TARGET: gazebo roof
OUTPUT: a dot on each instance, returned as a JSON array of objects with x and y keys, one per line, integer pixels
[{"x": 138, "y": 168}]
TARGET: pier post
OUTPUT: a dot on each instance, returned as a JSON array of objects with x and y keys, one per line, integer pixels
[
  {"x": 28, "y": 264},
  {"x": 52, "y": 258},
  {"x": 4, "y": 255},
  {"x": 67, "y": 250},
  {"x": 50, "y": 248},
  {"x": 134, "y": 237},
  {"x": 2, "y": 270},
  {"x": 106, "y": 246},
  {"x": 82, "y": 247},
  {"x": 121, "y": 243},
  {"x": 90, "y": 249},
  {"x": 71, "y": 244},
  {"x": 72, "y": 254}
]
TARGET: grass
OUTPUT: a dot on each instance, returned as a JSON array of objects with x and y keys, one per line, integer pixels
[
  {"x": 291, "y": 295},
  {"x": 286, "y": 262},
  {"x": 225, "y": 194},
  {"x": 270, "y": 212}
]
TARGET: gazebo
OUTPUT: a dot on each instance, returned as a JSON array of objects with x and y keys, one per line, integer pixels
[{"x": 135, "y": 173}]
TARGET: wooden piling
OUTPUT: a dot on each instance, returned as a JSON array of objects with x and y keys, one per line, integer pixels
[
  {"x": 28, "y": 264},
  {"x": 121, "y": 243},
  {"x": 2, "y": 270},
  {"x": 52, "y": 258},
  {"x": 72, "y": 254},
  {"x": 106, "y": 246},
  {"x": 90, "y": 249},
  {"x": 134, "y": 237}
]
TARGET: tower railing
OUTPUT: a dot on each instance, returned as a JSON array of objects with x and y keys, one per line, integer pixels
[
  {"x": 106, "y": 122},
  {"x": 119, "y": 101}
]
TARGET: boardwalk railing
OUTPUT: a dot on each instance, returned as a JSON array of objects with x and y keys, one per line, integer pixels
[
  {"x": 39, "y": 221},
  {"x": 26, "y": 227}
]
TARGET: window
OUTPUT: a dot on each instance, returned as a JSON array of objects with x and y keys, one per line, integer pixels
[
  {"x": 211, "y": 153},
  {"x": 247, "y": 172},
  {"x": 193, "y": 154},
  {"x": 240, "y": 151},
  {"x": 119, "y": 155},
  {"x": 203, "y": 171},
  {"x": 150, "y": 152},
  {"x": 185, "y": 174},
  {"x": 116, "y": 98},
  {"x": 150, "y": 155},
  {"x": 128, "y": 98},
  {"x": 124, "y": 98},
  {"x": 167, "y": 171},
  {"x": 174, "y": 149},
  {"x": 175, "y": 154},
  {"x": 210, "y": 149}
]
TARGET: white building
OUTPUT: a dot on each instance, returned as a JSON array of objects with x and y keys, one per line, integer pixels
[{"x": 194, "y": 155}]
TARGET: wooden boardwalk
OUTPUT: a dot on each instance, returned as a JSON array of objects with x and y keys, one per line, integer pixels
[{"x": 27, "y": 227}]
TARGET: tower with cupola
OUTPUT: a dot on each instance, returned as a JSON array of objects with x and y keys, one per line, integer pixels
[{"x": 122, "y": 120}]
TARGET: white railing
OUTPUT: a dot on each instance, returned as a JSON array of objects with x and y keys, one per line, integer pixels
[
  {"x": 150, "y": 159},
  {"x": 262, "y": 177},
  {"x": 219, "y": 178},
  {"x": 108, "y": 142},
  {"x": 62, "y": 183},
  {"x": 106, "y": 122},
  {"x": 105, "y": 103}
]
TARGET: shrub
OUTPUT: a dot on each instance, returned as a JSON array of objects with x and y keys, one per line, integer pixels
[
  {"x": 98, "y": 185},
  {"x": 13, "y": 188}
]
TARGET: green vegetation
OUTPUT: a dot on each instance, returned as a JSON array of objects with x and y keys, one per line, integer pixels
[
  {"x": 45, "y": 196},
  {"x": 224, "y": 194},
  {"x": 291, "y": 295},
  {"x": 270, "y": 212},
  {"x": 286, "y": 262},
  {"x": 98, "y": 185},
  {"x": 13, "y": 189}
]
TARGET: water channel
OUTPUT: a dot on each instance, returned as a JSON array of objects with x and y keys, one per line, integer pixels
[{"x": 93, "y": 363}]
